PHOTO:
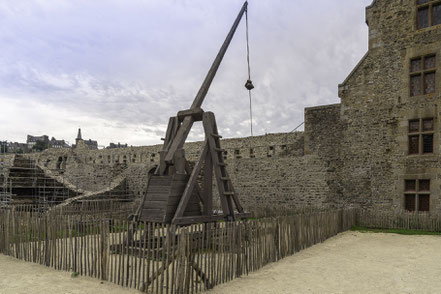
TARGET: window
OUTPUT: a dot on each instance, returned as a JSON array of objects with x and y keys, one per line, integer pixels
[
  {"x": 429, "y": 13},
  {"x": 417, "y": 195},
  {"x": 422, "y": 75},
  {"x": 421, "y": 136}
]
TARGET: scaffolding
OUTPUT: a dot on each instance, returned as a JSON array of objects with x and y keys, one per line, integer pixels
[{"x": 26, "y": 186}]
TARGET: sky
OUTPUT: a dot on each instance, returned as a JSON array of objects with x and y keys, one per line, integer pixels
[{"x": 120, "y": 68}]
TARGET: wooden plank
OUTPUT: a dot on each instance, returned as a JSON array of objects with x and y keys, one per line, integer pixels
[
  {"x": 155, "y": 205},
  {"x": 158, "y": 189},
  {"x": 159, "y": 197},
  {"x": 153, "y": 212}
]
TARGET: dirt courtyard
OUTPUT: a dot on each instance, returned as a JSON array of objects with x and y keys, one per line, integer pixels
[{"x": 351, "y": 262}]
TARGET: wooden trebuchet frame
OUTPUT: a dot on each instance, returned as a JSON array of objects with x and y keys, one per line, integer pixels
[{"x": 174, "y": 194}]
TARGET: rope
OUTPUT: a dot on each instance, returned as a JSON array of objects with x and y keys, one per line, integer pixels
[
  {"x": 249, "y": 72},
  {"x": 248, "y": 45},
  {"x": 297, "y": 127}
]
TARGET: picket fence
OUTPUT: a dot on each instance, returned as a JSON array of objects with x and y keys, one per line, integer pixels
[
  {"x": 158, "y": 258},
  {"x": 399, "y": 220}
]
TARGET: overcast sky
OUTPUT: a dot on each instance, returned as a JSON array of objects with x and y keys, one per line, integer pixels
[{"x": 120, "y": 68}]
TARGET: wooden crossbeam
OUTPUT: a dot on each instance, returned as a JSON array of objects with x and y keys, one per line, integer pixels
[
  {"x": 188, "y": 220},
  {"x": 195, "y": 113}
]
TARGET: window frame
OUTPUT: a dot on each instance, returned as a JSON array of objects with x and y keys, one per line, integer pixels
[
  {"x": 430, "y": 4},
  {"x": 417, "y": 195},
  {"x": 421, "y": 133},
  {"x": 422, "y": 73}
]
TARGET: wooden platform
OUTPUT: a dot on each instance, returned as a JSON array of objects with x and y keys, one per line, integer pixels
[{"x": 162, "y": 199}]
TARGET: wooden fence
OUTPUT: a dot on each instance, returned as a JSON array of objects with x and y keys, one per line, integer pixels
[
  {"x": 96, "y": 209},
  {"x": 403, "y": 220},
  {"x": 162, "y": 258}
]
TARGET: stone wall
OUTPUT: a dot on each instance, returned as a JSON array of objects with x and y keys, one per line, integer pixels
[
  {"x": 281, "y": 182},
  {"x": 268, "y": 171},
  {"x": 376, "y": 107}
]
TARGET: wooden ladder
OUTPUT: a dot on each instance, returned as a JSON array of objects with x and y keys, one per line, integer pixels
[{"x": 225, "y": 187}]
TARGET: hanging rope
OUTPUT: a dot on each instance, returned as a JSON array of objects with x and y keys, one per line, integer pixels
[{"x": 249, "y": 84}]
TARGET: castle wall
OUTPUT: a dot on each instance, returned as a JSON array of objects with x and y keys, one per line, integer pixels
[
  {"x": 281, "y": 182},
  {"x": 376, "y": 106},
  {"x": 268, "y": 171}
]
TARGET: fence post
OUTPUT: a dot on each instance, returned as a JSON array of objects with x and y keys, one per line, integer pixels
[
  {"x": 181, "y": 261},
  {"x": 104, "y": 248}
]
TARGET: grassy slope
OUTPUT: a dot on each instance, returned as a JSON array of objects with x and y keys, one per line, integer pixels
[{"x": 393, "y": 231}]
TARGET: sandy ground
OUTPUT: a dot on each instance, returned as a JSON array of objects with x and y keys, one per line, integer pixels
[
  {"x": 348, "y": 263},
  {"x": 351, "y": 262},
  {"x": 20, "y": 277}
]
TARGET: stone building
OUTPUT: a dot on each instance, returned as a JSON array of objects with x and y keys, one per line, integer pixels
[
  {"x": 16, "y": 147},
  {"x": 377, "y": 149},
  {"x": 114, "y": 145},
  {"x": 385, "y": 140},
  {"x": 54, "y": 143},
  {"x": 84, "y": 144},
  {"x": 32, "y": 140}
]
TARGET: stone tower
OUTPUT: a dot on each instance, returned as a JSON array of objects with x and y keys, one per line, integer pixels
[{"x": 79, "y": 138}]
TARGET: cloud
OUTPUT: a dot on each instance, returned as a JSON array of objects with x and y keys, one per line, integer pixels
[{"x": 119, "y": 69}]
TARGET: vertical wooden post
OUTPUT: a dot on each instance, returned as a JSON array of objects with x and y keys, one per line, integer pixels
[
  {"x": 181, "y": 261},
  {"x": 104, "y": 248},
  {"x": 208, "y": 185}
]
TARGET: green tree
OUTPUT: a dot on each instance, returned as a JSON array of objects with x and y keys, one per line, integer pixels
[{"x": 40, "y": 146}]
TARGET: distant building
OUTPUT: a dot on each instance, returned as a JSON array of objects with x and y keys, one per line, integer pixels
[
  {"x": 3, "y": 147},
  {"x": 80, "y": 143},
  {"x": 119, "y": 145},
  {"x": 32, "y": 140},
  {"x": 91, "y": 144},
  {"x": 54, "y": 143},
  {"x": 15, "y": 147},
  {"x": 79, "y": 137}
]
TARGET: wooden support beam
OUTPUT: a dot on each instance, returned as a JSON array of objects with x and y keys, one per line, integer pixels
[
  {"x": 190, "y": 186},
  {"x": 171, "y": 131},
  {"x": 162, "y": 167},
  {"x": 214, "y": 67},
  {"x": 188, "y": 170},
  {"x": 208, "y": 185},
  {"x": 179, "y": 140},
  {"x": 179, "y": 161}
]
